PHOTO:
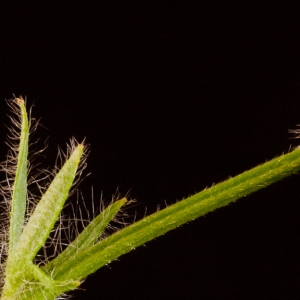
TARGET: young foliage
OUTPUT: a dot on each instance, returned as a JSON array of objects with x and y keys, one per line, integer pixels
[{"x": 28, "y": 230}]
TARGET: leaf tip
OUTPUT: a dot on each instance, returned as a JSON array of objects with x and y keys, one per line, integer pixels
[{"x": 20, "y": 101}]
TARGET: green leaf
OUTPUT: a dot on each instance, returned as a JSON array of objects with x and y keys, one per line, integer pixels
[
  {"x": 19, "y": 194},
  {"x": 87, "y": 238},
  {"x": 177, "y": 214},
  {"x": 48, "y": 209}
]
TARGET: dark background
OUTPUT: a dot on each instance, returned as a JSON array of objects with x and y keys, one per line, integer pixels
[{"x": 172, "y": 97}]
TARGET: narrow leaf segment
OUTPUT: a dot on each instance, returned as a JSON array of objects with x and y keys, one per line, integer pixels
[
  {"x": 19, "y": 193},
  {"x": 175, "y": 215},
  {"x": 87, "y": 238}
]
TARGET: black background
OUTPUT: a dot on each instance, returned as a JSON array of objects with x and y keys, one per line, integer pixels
[{"x": 172, "y": 97}]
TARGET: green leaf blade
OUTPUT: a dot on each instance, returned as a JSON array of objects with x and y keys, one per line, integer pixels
[
  {"x": 177, "y": 214},
  {"x": 48, "y": 209},
  {"x": 87, "y": 238},
  {"x": 19, "y": 193}
]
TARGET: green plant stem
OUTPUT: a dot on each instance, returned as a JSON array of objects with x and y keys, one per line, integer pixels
[{"x": 177, "y": 214}]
